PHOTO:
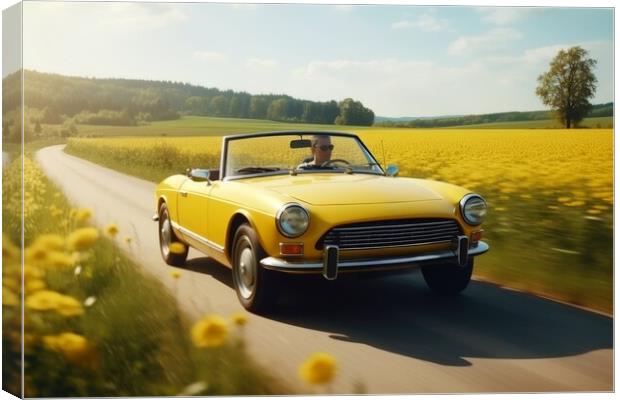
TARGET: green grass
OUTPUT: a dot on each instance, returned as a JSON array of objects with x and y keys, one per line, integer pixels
[
  {"x": 203, "y": 126},
  {"x": 598, "y": 122},
  {"x": 209, "y": 126},
  {"x": 140, "y": 339}
]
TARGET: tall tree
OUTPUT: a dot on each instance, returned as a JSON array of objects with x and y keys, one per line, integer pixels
[
  {"x": 568, "y": 85},
  {"x": 354, "y": 113}
]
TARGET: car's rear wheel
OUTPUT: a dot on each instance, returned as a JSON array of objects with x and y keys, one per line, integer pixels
[
  {"x": 167, "y": 237},
  {"x": 256, "y": 286},
  {"x": 448, "y": 279}
]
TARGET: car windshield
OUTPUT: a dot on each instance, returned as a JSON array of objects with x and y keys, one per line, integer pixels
[{"x": 301, "y": 153}]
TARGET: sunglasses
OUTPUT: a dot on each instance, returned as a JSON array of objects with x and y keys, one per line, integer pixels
[{"x": 325, "y": 147}]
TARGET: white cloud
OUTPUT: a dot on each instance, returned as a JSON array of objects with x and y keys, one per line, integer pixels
[
  {"x": 494, "y": 40},
  {"x": 424, "y": 22},
  {"x": 260, "y": 63},
  {"x": 397, "y": 87},
  {"x": 402, "y": 25},
  {"x": 209, "y": 55},
  {"x": 139, "y": 15},
  {"x": 505, "y": 15},
  {"x": 428, "y": 23},
  {"x": 349, "y": 69}
]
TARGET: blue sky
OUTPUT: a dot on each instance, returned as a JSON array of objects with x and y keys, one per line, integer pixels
[{"x": 397, "y": 60}]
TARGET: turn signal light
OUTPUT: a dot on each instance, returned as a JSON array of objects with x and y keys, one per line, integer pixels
[
  {"x": 291, "y": 249},
  {"x": 476, "y": 236}
]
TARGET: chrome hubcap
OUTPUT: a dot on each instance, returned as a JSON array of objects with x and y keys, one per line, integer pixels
[
  {"x": 165, "y": 234},
  {"x": 246, "y": 272}
]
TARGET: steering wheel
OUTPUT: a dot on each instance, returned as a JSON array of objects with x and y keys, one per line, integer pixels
[{"x": 335, "y": 160}]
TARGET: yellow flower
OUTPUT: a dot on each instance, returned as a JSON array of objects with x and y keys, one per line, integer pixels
[
  {"x": 13, "y": 283},
  {"x": 318, "y": 369},
  {"x": 9, "y": 250},
  {"x": 31, "y": 272},
  {"x": 69, "y": 307},
  {"x": 83, "y": 215},
  {"x": 59, "y": 259},
  {"x": 36, "y": 254},
  {"x": 83, "y": 238},
  {"x": 211, "y": 331},
  {"x": 44, "y": 300},
  {"x": 177, "y": 248},
  {"x": 49, "y": 242},
  {"x": 9, "y": 298},
  {"x": 111, "y": 230},
  {"x": 47, "y": 300},
  {"x": 73, "y": 347},
  {"x": 33, "y": 285},
  {"x": 239, "y": 319},
  {"x": 175, "y": 274}
]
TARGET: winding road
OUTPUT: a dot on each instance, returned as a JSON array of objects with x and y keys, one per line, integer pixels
[{"x": 389, "y": 335}]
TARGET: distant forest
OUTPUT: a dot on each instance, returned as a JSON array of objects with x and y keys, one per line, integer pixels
[
  {"x": 599, "y": 110},
  {"x": 58, "y": 99}
]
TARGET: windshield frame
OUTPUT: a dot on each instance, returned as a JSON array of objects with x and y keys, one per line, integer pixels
[{"x": 227, "y": 139}]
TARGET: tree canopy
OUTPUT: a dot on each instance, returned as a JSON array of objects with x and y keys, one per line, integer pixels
[
  {"x": 129, "y": 102},
  {"x": 568, "y": 85}
]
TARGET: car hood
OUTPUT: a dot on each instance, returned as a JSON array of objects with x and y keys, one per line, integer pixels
[{"x": 344, "y": 189}]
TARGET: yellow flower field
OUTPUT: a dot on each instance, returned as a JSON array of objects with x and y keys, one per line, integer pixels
[
  {"x": 550, "y": 192},
  {"x": 81, "y": 296}
]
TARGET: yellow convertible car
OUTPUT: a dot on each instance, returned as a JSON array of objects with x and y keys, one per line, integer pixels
[{"x": 316, "y": 203}]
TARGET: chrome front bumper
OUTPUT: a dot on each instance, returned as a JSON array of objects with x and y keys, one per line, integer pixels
[{"x": 330, "y": 271}]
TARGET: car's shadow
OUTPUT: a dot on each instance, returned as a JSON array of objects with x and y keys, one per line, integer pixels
[
  {"x": 400, "y": 315},
  {"x": 209, "y": 266}
]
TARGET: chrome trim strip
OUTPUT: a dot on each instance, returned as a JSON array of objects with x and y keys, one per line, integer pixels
[
  {"x": 279, "y": 264},
  {"x": 197, "y": 237},
  {"x": 395, "y": 245},
  {"x": 422, "y": 225}
]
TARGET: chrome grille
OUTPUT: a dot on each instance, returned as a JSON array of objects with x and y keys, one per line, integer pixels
[{"x": 384, "y": 234}]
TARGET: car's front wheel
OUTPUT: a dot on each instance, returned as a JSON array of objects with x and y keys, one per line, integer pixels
[
  {"x": 167, "y": 237},
  {"x": 448, "y": 279},
  {"x": 256, "y": 286}
]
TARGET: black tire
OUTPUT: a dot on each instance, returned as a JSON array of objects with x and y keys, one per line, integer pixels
[
  {"x": 166, "y": 237},
  {"x": 257, "y": 288},
  {"x": 448, "y": 279}
]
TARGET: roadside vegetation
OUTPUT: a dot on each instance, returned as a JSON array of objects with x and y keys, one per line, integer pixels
[
  {"x": 550, "y": 193},
  {"x": 95, "y": 325}
]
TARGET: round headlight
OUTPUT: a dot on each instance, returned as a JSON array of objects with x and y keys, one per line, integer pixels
[
  {"x": 292, "y": 220},
  {"x": 473, "y": 209}
]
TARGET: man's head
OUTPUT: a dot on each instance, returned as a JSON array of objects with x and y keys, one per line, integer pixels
[{"x": 321, "y": 148}]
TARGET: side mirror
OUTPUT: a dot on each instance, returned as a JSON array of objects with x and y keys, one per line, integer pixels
[
  {"x": 199, "y": 174},
  {"x": 392, "y": 170}
]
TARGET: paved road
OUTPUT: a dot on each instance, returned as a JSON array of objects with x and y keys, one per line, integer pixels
[{"x": 391, "y": 335}]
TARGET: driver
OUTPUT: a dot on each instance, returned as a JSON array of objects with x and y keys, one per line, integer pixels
[{"x": 321, "y": 152}]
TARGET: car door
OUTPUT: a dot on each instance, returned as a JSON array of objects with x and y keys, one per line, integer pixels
[{"x": 193, "y": 203}]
